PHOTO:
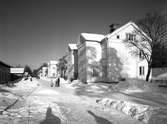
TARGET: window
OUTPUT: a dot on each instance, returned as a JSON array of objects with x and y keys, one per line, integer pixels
[
  {"x": 118, "y": 37},
  {"x": 54, "y": 75},
  {"x": 130, "y": 36},
  {"x": 141, "y": 70},
  {"x": 94, "y": 73},
  {"x": 141, "y": 56}
]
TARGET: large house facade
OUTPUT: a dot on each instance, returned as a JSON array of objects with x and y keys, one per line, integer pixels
[
  {"x": 119, "y": 62},
  {"x": 108, "y": 58}
]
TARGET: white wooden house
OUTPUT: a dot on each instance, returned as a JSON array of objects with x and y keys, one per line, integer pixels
[
  {"x": 117, "y": 58},
  {"x": 108, "y": 58}
]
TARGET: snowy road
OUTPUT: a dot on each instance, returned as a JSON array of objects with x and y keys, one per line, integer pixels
[
  {"x": 60, "y": 105},
  {"x": 48, "y": 105}
]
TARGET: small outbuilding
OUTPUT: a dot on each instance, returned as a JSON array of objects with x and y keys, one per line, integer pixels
[{"x": 4, "y": 73}]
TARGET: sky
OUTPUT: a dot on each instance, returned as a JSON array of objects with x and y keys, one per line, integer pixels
[{"x": 35, "y": 31}]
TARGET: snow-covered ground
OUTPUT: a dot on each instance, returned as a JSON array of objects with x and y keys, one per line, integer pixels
[
  {"x": 148, "y": 101},
  {"x": 36, "y": 102},
  {"x": 42, "y": 104}
]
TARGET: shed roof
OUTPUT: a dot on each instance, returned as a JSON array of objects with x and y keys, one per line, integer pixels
[{"x": 4, "y": 64}]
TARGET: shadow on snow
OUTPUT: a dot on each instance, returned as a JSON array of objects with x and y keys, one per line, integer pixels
[
  {"x": 50, "y": 118},
  {"x": 99, "y": 120}
]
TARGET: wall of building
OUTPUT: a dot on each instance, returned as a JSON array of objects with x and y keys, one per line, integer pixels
[
  {"x": 121, "y": 62},
  {"x": 82, "y": 62},
  {"x": 72, "y": 66},
  {"x": 104, "y": 59},
  {"x": 69, "y": 66},
  {"x": 75, "y": 54},
  {"x": 4, "y": 74},
  {"x": 93, "y": 55}
]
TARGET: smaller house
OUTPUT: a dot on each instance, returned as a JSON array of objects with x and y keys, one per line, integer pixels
[
  {"x": 16, "y": 73},
  {"x": 4, "y": 73},
  {"x": 89, "y": 57}
]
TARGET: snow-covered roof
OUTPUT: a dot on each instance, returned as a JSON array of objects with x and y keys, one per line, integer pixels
[
  {"x": 72, "y": 46},
  {"x": 92, "y": 37},
  {"x": 53, "y": 62},
  {"x": 4, "y": 64},
  {"x": 125, "y": 26},
  {"x": 44, "y": 68}
]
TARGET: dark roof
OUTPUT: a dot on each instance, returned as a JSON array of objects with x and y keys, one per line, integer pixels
[{"x": 4, "y": 64}]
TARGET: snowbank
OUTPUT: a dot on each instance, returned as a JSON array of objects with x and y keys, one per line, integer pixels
[
  {"x": 76, "y": 84},
  {"x": 62, "y": 81},
  {"x": 26, "y": 85},
  {"x": 136, "y": 111},
  {"x": 133, "y": 85},
  {"x": 6, "y": 99}
]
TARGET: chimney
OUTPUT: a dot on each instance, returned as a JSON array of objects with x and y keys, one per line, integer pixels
[{"x": 113, "y": 27}]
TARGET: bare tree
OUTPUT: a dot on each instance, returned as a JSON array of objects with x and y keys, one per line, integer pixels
[
  {"x": 28, "y": 70},
  {"x": 155, "y": 26}
]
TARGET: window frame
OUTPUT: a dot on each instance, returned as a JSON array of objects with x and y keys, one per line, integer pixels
[
  {"x": 141, "y": 70},
  {"x": 141, "y": 56},
  {"x": 130, "y": 36}
]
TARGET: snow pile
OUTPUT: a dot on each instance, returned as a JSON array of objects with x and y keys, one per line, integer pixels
[
  {"x": 162, "y": 76},
  {"x": 26, "y": 85},
  {"x": 7, "y": 95},
  {"x": 159, "y": 117},
  {"x": 6, "y": 99},
  {"x": 62, "y": 81},
  {"x": 130, "y": 86},
  {"x": 96, "y": 88},
  {"x": 136, "y": 111},
  {"x": 76, "y": 84},
  {"x": 142, "y": 89}
]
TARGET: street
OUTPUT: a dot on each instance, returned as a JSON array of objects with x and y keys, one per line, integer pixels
[{"x": 52, "y": 105}]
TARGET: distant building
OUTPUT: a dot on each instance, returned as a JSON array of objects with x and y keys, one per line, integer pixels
[
  {"x": 89, "y": 57},
  {"x": 52, "y": 69},
  {"x": 16, "y": 73},
  {"x": 43, "y": 73},
  {"x": 4, "y": 73},
  {"x": 72, "y": 60}
]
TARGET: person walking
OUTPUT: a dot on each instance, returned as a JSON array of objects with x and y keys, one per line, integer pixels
[{"x": 58, "y": 82}]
